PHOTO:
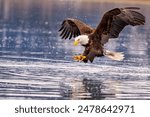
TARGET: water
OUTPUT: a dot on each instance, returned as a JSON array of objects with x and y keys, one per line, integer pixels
[{"x": 36, "y": 64}]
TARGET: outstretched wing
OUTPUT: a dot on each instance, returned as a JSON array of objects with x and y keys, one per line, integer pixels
[
  {"x": 115, "y": 20},
  {"x": 73, "y": 27}
]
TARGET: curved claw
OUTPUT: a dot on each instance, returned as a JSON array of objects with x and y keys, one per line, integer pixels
[{"x": 79, "y": 57}]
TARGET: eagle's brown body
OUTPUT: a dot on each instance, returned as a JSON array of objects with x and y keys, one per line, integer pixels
[{"x": 110, "y": 26}]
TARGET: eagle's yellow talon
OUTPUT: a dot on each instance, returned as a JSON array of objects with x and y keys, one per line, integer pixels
[
  {"x": 82, "y": 57},
  {"x": 79, "y": 57}
]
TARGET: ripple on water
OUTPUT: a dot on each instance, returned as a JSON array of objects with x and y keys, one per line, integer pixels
[{"x": 65, "y": 80}]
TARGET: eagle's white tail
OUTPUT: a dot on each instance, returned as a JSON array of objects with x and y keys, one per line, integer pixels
[{"x": 118, "y": 56}]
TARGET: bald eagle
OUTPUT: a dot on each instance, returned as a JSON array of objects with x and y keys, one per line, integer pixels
[{"x": 93, "y": 39}]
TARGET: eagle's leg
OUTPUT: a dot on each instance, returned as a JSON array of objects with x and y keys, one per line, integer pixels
[{"x": 79, "y": 57}]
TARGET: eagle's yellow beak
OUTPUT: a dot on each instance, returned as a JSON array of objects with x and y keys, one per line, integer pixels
[{"x": 76, "y": 42}]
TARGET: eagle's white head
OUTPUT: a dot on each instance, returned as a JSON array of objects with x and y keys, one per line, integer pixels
[{"x": 82, "y": 39}]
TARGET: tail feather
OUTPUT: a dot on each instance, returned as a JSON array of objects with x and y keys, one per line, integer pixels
[{"x": 118, "y": 56}]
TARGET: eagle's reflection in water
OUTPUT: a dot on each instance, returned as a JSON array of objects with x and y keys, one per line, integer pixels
[{"x": 87, "y": 89}]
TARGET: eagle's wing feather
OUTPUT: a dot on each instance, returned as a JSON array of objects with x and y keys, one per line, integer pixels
[
  {"x": 73, "y": 27},
  {"x": 114, "y": 21}
]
